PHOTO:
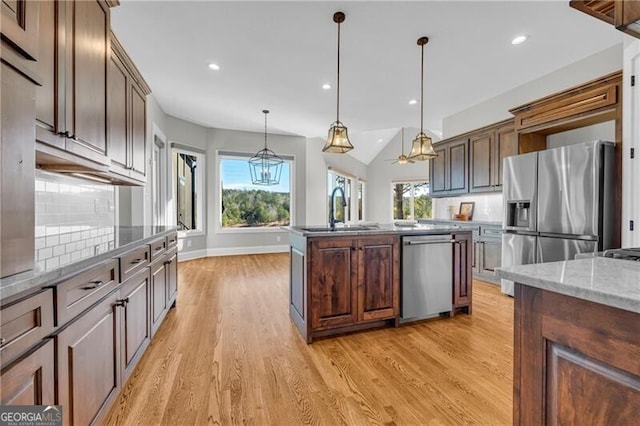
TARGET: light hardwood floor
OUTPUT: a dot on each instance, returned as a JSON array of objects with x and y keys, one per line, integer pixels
[{"x": 228, "y": 354}]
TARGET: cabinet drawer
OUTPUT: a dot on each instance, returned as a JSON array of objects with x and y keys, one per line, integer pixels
[
  {"x": 172, "y": 240},
  {"x": 493, "y": 233},
  {"x": 30, "y": 381},
  {"x": 80, "y": 292},
  {"x": 24, "y": 324},
  {"x": 133, "y": 261},
  {"x": 158, "y": 247}
]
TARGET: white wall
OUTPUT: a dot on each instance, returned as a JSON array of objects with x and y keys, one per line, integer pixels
[
  {"x": 631, "y": 139},
  {"x": 488, "y": 207},
  {"x": 497, "y": 108},
  {"x": 602, "y": 131},
  {"x": 379, "y": 197}
]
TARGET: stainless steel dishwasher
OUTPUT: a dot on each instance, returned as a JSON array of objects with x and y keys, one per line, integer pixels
[{"x": 427, "y": 287}]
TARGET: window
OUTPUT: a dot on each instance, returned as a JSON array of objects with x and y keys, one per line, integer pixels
[
  {"x": 411, "y": 200},
  {"x": 244, "y": 205},
  {"x": 342, "y": 200},
  {"x": 188, "y": 170},
  {"x": 361, "y": 200}
]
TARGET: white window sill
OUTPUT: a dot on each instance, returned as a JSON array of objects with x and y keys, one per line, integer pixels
[
  {"x": 265, "y": 230},
  {"x": 191, "y": 233}
]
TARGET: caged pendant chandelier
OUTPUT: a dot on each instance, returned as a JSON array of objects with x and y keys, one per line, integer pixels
[
  {"x": 422, "y": 148},
  {"x": 265, "y": 166},
  {"x": 338, "y": 139}
]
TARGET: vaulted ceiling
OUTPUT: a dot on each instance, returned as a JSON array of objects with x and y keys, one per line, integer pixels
[{"x": 277, "y": 55}]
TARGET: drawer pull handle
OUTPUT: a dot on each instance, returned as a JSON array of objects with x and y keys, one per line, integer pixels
[
  {"x": 136, "y": 261},
  {"x": 2, "y": 341},
  {"x": 92, "y": 285},
  {"x": 122, "y": 302},
  {"x": 159, "y": 248}
]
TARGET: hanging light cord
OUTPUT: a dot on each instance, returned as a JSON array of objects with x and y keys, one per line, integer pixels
[
  {"x": 265, "y": 128},
  {"x": 422, "y": 90},
  {"x": 338, "y": 83}
]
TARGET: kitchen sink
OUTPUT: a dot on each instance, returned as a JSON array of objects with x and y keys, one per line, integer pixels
[{"x": 340, "y": 228}]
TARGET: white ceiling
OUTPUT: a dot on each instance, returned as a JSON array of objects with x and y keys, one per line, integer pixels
[{"x": 277, "y": 55}]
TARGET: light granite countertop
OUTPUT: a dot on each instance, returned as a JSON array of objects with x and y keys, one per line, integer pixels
[
  {"x": 462, "y": 222},
  {"x": 611, "y": 282},
  {"x": 377, "y": 229}
]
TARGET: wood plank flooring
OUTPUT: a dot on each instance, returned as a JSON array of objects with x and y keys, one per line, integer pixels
[{"x": 228, "y": 354}]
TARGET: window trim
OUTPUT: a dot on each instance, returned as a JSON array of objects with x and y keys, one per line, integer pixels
[
  {"x": 218, "y": 228},
  {"x": 200, "y": 177}
]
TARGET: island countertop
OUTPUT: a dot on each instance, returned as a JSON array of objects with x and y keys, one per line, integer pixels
[
  {"x": 611, "y": 282},
  {"x": 377, "y": 229}
]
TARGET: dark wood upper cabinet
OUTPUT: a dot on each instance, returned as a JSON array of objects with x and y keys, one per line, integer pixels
[
  {"x": 71, "y": 115},
  {"x": 449, "y": 171},
  {"x": 622, "y": 14},
  {"x": 482, "y": 155},
  {"x": 126, "y": 116},
  {"x": 506, "y": 145},
  {"x": 19, "y": 26}
]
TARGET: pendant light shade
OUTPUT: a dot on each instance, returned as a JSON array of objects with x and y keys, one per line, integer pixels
[
  {"x": 265, "y": 166},
  {"x": 338, "y": 138},
  {"x": 422, "y": 147}
]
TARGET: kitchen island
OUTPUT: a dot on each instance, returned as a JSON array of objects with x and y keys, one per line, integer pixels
[
  {"x": 576, "y": 342},
  {"x": 349, "y": 278}
]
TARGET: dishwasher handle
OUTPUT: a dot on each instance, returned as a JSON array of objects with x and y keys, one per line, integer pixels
[{"x": 419, "y": 243}]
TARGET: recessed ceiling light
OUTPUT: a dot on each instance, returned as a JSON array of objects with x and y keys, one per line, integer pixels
[
  {"x": 326, "y": 86},
  {"x": 413, "y": 101},
  {"x": 379, "y": 140},
  {"x": 519, "y": 39},
  {"x": 214, "y": 67}
]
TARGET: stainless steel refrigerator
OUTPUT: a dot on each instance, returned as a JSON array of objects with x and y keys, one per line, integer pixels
[{"x": 558, "y": 202}]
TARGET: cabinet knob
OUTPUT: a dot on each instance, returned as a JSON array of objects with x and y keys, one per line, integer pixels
[{"x": 122, "y": 302}]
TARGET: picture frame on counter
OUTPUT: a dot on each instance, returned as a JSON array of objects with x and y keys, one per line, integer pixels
[{"x": 466, "y": 210}]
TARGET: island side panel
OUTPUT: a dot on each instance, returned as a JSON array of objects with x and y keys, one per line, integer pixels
[
  {"x": 462, "y": 272},
  {"x": 577, "y": 362},
  {"x": 298, "y": 297}
]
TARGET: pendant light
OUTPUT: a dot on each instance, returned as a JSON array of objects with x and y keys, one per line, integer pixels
[
  {"x": 403, "y": 159},
  {"x": 265, "y": 166},
  {"x": 422, "y": 148},
  {"x": 338, "y": 139}
]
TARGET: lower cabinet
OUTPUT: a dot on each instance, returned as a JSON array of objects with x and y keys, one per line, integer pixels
[
  {"x": 462, "y": 277},
  {"x": 164, "y": 287},
  {"x": 30, "y": 381},
  {"x": 491, "y": 256},
  {"x": 136, "y": 321},
  {"x": 354, "y": 283},
  {"x": 88, "y": 362}
]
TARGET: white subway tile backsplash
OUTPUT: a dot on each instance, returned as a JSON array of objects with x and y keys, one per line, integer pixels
[{"x": 73, "y": 216}]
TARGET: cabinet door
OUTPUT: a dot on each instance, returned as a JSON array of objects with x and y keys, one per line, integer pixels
[
  {"x": 491, "y": 256},
  {"x": 475, "y": 257},
  {"x": 17, "y": 172},
  {"x": 158, "y": 294},
  {"x": 138, "y": 132},
  {"x": 506, "y": 145},
  {"x": 458, "y": 172},
  {"x": 20, "y": 26},
  {"x": 50, "y": 96},
  {"x": 332, "y": 273},
  {"x": 87, "y": 23},
  {"x": 462, "y": 279},
  {"x": 378, "y": 278},
  {"x": 136, "y": 321},
  {"x": 172, "y": 277},
  {"x": 481, "y": 148},
  {"x": 117, "y": 114},
  {"x": 88, "y": 360},
  {"x": 438, "y": 170},
  {"x": 30, "y": 381}
]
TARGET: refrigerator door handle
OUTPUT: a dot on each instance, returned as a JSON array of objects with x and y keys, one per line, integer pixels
[{"x": 569, "y": 236}]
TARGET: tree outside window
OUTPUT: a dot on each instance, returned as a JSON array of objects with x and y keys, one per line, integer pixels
[{"x": 411, "y": 200}]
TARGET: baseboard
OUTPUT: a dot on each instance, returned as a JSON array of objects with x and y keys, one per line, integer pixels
[{"x": 231, "y": 251}]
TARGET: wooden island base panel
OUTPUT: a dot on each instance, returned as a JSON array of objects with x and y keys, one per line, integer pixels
[
  {"x": 346, "y": 281},
  {"x": 576, "y": 342}
]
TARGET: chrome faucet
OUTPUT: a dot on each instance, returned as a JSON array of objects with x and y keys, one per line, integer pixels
[{"x": 332, "y": 219}]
